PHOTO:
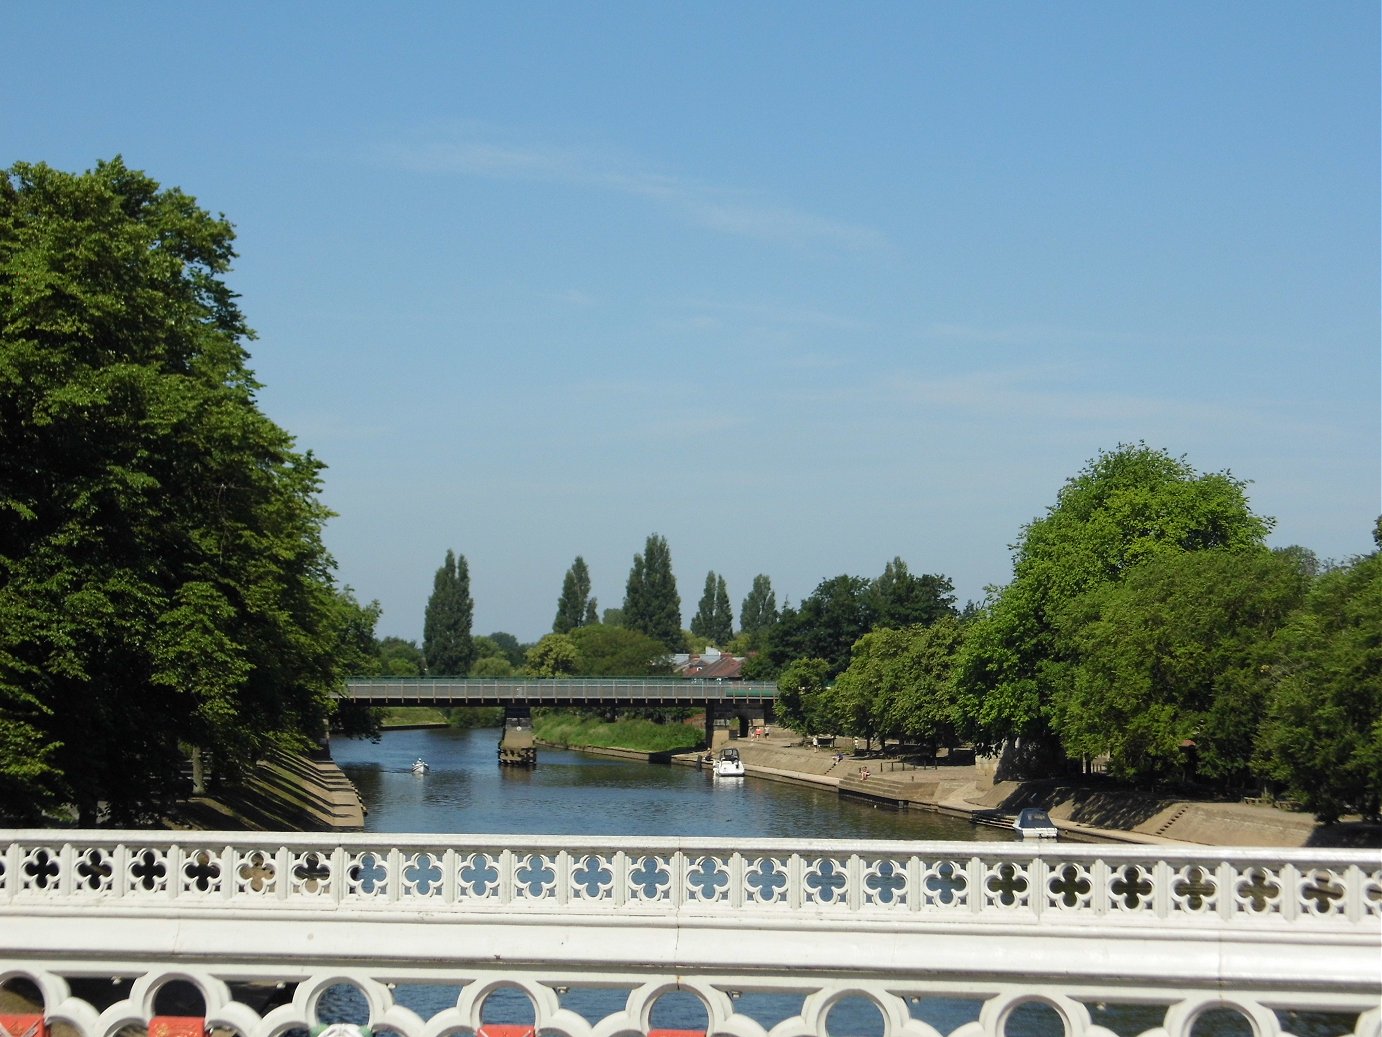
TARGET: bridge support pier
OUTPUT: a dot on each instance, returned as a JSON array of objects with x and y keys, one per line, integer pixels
[
  {"x": 517, "y": 747},
  {"x": 734, "y": 712}
]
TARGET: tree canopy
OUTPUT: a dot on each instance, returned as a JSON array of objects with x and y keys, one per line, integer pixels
[
  {"x": 713, "y": 621},
  {"x": 163, "y": 581},
  {"x": 1126, "y": 507},
  {"x": 1321, "y": 739},
  {"x": 758, "y": 612},
  {"x": 446, "y": 637},
  {"x": 575, "y": 607},
  {"x": 652, "y": 605}
]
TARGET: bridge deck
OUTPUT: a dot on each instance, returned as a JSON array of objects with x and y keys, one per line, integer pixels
[{"x": 588, "y": 691}]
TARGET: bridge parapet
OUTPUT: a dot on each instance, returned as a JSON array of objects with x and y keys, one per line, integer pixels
[
  {"x": 572, "y": 691},
  {"x": 891, "y": 922}
]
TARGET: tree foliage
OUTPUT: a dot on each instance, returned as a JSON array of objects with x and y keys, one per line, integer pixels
[
  {"x": 575, "y": 605},
  {"x": 652, "y": 605},
  {"x": 803, "y": 701},
  {"x": 162, "y": 577},
  {"x": 713, "y": 621},
  {"x": 826, "y": 624},
  {"x": 446, "y": 638},
  {"x": 1170, "y": 659},
  {"x": 1321, "y": 739},
  {"x": 604, "y": 651},
  {"x": 553, "y": 656},
  {"x": 902, "y": 600},
  {"x": 758, "y": 612},
  {"x": 1126, "y": 507}
]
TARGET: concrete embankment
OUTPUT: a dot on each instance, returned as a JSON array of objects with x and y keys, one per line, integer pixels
[
  {"x": 285, "y": 792},
  {"x": 1093, "y": 812}
]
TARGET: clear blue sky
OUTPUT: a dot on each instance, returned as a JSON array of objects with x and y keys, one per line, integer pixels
[{"x": 800, "y": 286}]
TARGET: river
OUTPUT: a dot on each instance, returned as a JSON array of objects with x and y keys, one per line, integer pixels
[{"x": 571, "y": 793}]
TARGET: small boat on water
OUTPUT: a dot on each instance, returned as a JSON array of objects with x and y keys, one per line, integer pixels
[
  {"x": 728, "y": 764},
  {"x": 1035, "y": 823},
  {"x": 420, "y": 766}
]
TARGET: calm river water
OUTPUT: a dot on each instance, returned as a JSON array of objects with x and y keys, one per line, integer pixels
[
  {"x": 571, "y": 793},
  {"x": 576, "y": 794}
]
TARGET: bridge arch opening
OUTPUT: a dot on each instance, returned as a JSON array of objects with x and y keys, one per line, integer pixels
[
  {"x": 1223, "y": 1021},
  {"x": 855, "y": 1013},
  {"x": 1035, "y": 1017},
  {"x": 179, "y": 997},
  {"x": 679, "y": 1011},
  {"x": 20, "y": 995},
  {"x": 341, "y": 1002},
  {"x": 506, "y": 1005}
]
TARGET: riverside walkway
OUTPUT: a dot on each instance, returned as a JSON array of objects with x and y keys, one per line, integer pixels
[{"x": 230, "y": 918}]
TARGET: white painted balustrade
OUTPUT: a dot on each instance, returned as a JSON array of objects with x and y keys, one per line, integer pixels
[{"x": 1264, "y": 933}]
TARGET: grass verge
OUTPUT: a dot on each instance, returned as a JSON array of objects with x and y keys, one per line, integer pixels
[{"x": 573, "y": 730}]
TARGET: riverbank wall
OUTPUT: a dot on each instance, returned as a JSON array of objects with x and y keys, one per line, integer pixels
[
  {"x": 285, "y": 792},
  {"x": 1096, "y": 811}
]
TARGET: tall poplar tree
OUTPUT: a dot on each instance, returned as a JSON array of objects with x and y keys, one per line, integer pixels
[
  {"x": 575, "y": 605},
  {"x": 651, "y": 602},
  {"x": 758, "y": 613},
  {"x": 446, "y": 640},
  {"x": 703, "y": 622},
  {"x": 722, "y": 618}
]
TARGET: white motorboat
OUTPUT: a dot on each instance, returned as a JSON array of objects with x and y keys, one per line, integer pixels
[
  {"x": 728, "y": 764},
  {"x": 1035, "y": 823},
  {"x": 420, "y": 766}
]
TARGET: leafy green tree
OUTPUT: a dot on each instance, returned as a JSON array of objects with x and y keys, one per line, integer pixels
[
  {"x": 758, "y": 612},
  {"x": 613, "y": 617},
  {"x": 1172, "y": 655},
  {"x": 399, "y": 658},
  {"x": 803, "y": 702},
  {"x": 574, "y": 605},
  {"x": 834, "y": 616},
  {"x": 509, "y": 647},
  {"x": 554, "y": 656},
  {"x": 446, "y": 639},
  {"x": 492, "y": 666},
  {"x": 163, "y": 583},
  {"x": 902, "y": 600},
  {"x": 1124, "y": 508},
  {"x": 924, "y": 707},
  {"x": 1322, "y": 736},
  {"x": 618, "y": 652},
  {"x": 651, "y": 603}
]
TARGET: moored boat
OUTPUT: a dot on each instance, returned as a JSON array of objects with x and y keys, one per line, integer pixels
[
  {"x": 728, "y": 764},
  {"x": 1035, "y": 823}
]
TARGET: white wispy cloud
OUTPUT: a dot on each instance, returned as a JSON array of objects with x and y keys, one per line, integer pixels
[{"x": 474, "y": 150}]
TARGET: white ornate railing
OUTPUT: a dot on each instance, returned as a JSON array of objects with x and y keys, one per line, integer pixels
[{"x": 1262, "y": 932}]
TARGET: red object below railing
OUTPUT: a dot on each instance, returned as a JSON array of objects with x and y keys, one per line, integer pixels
[
  {"x": 23, "y": 1026},
  {"x": 177, "y": 1026}
]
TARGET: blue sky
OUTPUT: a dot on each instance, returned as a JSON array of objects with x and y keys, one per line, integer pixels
[{"x": 801, "y": 287}]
